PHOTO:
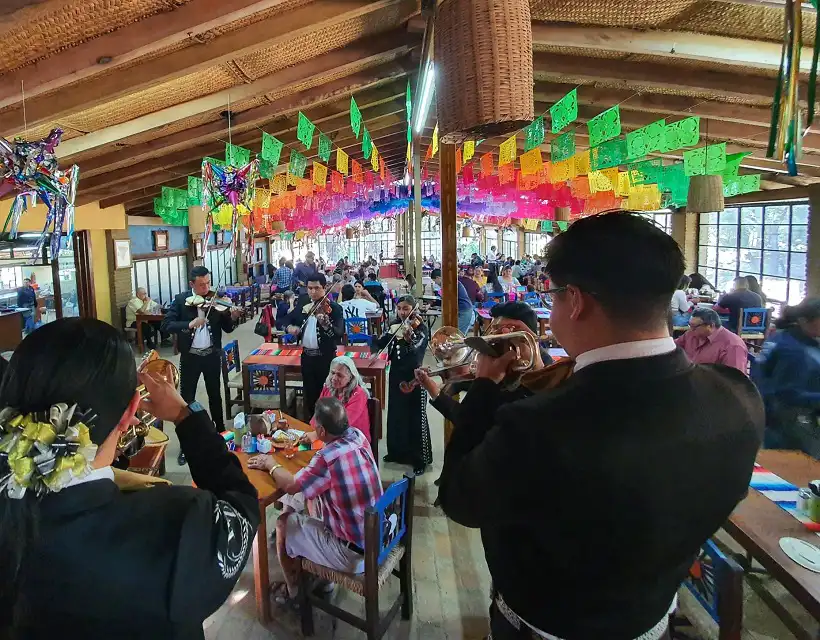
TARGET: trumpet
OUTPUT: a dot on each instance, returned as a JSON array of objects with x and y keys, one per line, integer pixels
[
  {"x": 133, "y": 439},
  {"x": 523, "y": 343}
]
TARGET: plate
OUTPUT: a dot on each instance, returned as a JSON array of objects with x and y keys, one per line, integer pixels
[{"x": 803, "y": 553}]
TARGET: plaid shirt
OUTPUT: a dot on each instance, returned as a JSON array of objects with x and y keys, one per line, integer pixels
[
  {"x": 344, "y": 480},
  {"x": 284, "y": 278}
]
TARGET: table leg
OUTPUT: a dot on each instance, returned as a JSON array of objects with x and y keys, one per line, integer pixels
[
  {"x": 380, "y": 392},
  {"x": 246, "y": 390},
  {"x": 283, "y": 395},
  {"x": 261, "y": 570},
  {"x": 140, "y": 343}
]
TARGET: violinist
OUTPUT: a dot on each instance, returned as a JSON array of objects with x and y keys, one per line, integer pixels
[
  {"x": 199, "y": 338},
  {"x": 320, "y": 325},
  {"x": 408, "y": 435}
]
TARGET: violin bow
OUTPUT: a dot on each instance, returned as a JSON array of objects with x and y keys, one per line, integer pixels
[{"x": 396, "y": 332}]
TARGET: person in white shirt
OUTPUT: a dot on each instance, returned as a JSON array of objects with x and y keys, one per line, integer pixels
[
  {"x": 491, "y": 254},
  {"x": 681, "y": 307},
  {"x": 356, "y": 307},
  {"x": 141, "y": 303}
]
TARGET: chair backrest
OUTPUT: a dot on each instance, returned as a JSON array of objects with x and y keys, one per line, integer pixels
[
  {"x": 374, "y": 412},
  {"x": 753, "y": 320},
  {"x": 356, "y": 327},
  {"x": 122, "y": 319},
  {"x": 230, "y": 355},
  {"x": 716, "y": 582},
  {"x": 264, "y": 379},
  {"x": 389, "y": 520},
  {"x": 488, "y": 304}
]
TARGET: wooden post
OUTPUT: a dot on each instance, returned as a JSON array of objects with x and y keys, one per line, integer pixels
[
  {"x": 813, "y": 256},
  {"x": 685, "y": 232},
  {"x": 449, "y": 244},
  {"x": 416, "y": 227}
]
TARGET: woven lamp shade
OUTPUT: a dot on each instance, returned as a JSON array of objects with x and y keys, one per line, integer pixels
[
  {"x": 483, "y": 56},
  {"x": 562, "y": 213},
  {"x": 467, "y": 232},
  {"x": 705, "y": 194}
]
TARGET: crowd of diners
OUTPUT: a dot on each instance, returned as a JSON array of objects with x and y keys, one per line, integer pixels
[{"x": 613, "y": 417}]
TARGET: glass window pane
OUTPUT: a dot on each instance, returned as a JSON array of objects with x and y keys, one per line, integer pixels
[
  {"x": 708, "y": 256},
  {"x": 797, "y": 291},
  {"x": 751, "y": 236},
  {"x": 708, "y": 234},
  {"x": 727, "y": 235},
  {"x": 777, "y": 214},
  {"x": 727, "y": 259},
  {"x": 710, "y": 274},
  {"x": 153, "y": 278},
  {"x": 724, "y": 279},
  {"x": 729, "y": 216},
  {"x": 751, "y": 215},
  {"x": 776, "y": 237},
  {"x": 775, "y": 263},
  {"x": 797, "y": 268},
  {"x": 800, "y": 214},
  {"x": 799, "y": 238},
  {"x": 775, "y": 288},
  {"x": 708, "y": 218},
  {"x": 750, "y": 261}
]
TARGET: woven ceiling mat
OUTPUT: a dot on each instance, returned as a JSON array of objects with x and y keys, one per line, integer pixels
[
  {"x": 266, "y": 61},
  {"x": 52, "y": 27},
  {"x": 704, "y": 64},
  {"x": 614, "y": 13},
  {"x": 147, "y": 101},
  {"x": 741, "y": 21},
  {"x": 579, "y": 51},
  {"x": 279, "y": 9}
]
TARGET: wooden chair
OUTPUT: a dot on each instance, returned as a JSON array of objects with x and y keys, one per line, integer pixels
[
  {"x": 387, "y": 551},
  {"x": 753, "y": 323},
  {"x": 130, "y": 332},
  {"x": 374, "y": 412},
  {"x": 716, "y": 582},
  {"x": 264, "y": 387},
  {"x": 232, "y": 377},
  {"x": 356, "y": 331}
]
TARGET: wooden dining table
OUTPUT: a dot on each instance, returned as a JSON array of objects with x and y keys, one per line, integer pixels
[
  {"x": 268, "y": 493},
  {"x": 757, "y": 524},
  {"x": 143, "y": 318}
]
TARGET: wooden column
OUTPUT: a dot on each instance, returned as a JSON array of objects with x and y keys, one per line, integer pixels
[
  {"x": 415, "y": 233},
  {"x": 685, "y": 233},
  {"x": 449, "y": 246},
  {"x": 813, "y": 256},
  {"x": 522, "y": 243}
]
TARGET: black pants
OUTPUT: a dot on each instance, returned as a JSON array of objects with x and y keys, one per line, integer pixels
[
  {"x": 190, "y": 368},
  {"x": 149, "y": 334},
  {"x": 314, "y": 373}
]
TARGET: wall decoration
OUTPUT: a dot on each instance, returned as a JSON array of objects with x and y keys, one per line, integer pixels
[
  {"x": 159, "y": 240},
  {"x": 304, "y": 131},
  {"x": 122, "y": 254}
]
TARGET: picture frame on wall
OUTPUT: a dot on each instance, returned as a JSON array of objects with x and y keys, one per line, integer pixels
[
  {"x": 122, "y": 254},
  {"x": 220, "y": 237},
  {"x": 198, "y": 251},
  {"x": 160, "y": 239}
]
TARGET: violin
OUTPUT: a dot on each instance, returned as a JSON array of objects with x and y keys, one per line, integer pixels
[
  {"x": 211, "y": 301},
  {"x": 549, "y": 377}
]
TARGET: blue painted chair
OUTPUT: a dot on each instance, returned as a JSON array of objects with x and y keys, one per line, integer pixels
[
  {"x": 232, "y": 377},
  {"x": 264, "y": 386},
  {"x": 753, "y": 323},
  {"x": 356, "y": 331},
  {"x": 497, "y": 297},
  {"x": 716, "y": 582},
  {"x": 387, "y": 551}
]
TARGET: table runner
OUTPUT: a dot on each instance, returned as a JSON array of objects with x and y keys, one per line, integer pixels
[
  {"x": 296, "y": 351},
  {"x": 543, "y": 314},
  {"x": 782, "y": 493}
]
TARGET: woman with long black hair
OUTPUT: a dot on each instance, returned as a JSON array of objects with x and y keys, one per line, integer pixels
[
  {"x": 493, "y": 283},
  {"x": 787, "y": 374},
  {"x": 78, "y": 557}
]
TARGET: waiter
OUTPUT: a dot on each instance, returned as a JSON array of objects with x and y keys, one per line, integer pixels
[
  {"x": 199, "y": 334},
  {"x": 320, "y": 332}
]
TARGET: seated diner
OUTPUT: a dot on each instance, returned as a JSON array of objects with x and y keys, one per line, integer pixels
[
  {"x": 346, "y": 385},
  {"x": 707, "y": 342}
]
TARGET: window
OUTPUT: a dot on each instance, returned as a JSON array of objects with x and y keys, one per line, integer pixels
[
  {"x": 765, "y": 241},
  {"x": 509, "y": 243},
  {"x": 491, "y": 240},
  {"x": 663, "y": 220},
  {"x": 535, "y": 244},
  {"x": 164, "y": 278},
  {"x": 431, "y": 237},
  {"x": 280, "y": 249},
  {"x": 380, "y": 237}
]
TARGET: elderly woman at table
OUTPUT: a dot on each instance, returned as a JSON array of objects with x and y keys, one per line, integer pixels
[{"x": 346, "y": 385}]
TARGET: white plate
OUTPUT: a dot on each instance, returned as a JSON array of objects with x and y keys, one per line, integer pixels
[{"x": 803, "y": 553}]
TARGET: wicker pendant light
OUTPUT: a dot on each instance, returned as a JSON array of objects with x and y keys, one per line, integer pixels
[
  {"x": 467, "y": 232},
  {"x": 705, "y": 194},
  {"x": 562, "y": 213},
  {"x": 277, "y": 225},
  {"x": 483, "y": 58}
]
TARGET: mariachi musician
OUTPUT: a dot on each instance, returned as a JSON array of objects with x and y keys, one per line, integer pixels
[
  {"x": 320, "y": 325},
  {"x": 199, "y": 328}
]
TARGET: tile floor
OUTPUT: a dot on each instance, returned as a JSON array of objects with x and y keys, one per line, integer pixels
[{"x": 450, "y": 576}]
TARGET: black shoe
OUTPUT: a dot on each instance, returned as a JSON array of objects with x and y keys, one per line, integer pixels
[
  {"x": 181, "y": 461},
  {"x": 419, "y": 471},
  {"x": 389, "y": 458}
]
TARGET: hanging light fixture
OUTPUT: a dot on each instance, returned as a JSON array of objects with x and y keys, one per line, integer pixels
[
  {"x": 705, "y": 194},
  {"x": 467, "y": 231},
  {"x": 427, "y": 89}
]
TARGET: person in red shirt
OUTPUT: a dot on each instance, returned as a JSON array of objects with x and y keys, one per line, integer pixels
[
  {"x": 342, "y": 480},
  {"x": 346, "y": 385},
  {"x": 707, "y": 342}
]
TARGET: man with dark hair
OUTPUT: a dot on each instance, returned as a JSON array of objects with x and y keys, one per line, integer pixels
[
  {"x": 343, "y": 479},
  {"x": 199, "y": 339},
  {"x": 354, "y": 307},
  {"x": 619, "y": 430},
  {"x": 284, "y": 276},
  {"x": 320, "y": 328},
  {"x": 303, "y": 271},
  {"x": 741, "y": 297},
  {"x": 707, "y": 342}
]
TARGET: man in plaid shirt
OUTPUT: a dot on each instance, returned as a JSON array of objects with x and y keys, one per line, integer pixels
[
  {"x": 341, "y": 482},
  {"x": 283, "y": 276}
]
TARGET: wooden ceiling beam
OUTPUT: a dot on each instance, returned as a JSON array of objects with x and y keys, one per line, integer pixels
[
  {"x": 10, "y": 7},
  {"x": 274, "y": 31},
  {"x": 151, "y": 34},
  {"x": 371, "y": 85},
  {"x": 353, "y": 58},
  {"x": 648, "y": 76}
]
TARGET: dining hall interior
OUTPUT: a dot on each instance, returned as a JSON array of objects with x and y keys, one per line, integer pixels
[{"x": 417, "y": 160}]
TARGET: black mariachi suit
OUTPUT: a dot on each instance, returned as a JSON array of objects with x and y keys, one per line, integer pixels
[
  {"x": 146, "y": 564},
  {"x": 191, "y": 366},
  {"x": 316, "y": 366}
]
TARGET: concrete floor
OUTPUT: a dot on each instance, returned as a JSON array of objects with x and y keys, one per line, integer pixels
[{"x": 450, "y": 575}]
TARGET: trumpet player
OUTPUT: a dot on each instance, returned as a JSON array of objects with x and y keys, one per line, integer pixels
[{"x": 408, "y": 434}]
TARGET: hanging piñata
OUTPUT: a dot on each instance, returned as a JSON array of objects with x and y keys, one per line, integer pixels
[{"x": 231, "y": 186}]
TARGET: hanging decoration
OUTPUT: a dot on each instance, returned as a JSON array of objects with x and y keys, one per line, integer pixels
[
  {"x": 271, "y": 149},
  {"x": 680, "y": 134},
  {"x": 29, "y": 170},
  {"x": 319, "y": 174},
  {"x": 355, "y": 117},
  {"x": 604, "y": 126},
  {"x": 324, "y": 147},
  {"x": 563, "y": 147},
  {"x": 374, "y": 159},
  {"x": 562, "y": 171},
  {"x": 644, "y": 198},
  {"x": 534, "y": 134},
  {"x": 341, "y": 161},
  {"x": 279, "y": 184},
  {"x": 382, "y": 168},
  {"x": 604, "y": 180},
  {"x": 367, "y": 144},
  {"x": 645, "y": 140},
  {"x": 531, "y": 162},
  {"x": 733, "y": 161},
  {"x": 565, "y": 112},
  {"x": 297, "y": 164},
  {"x": 237, "y": 156},
  {"x": 710, "y": 159},
  {"x": 738, "y": 185},
  {"x": 608, "y": 154},
  {"x": 337, "y": 182},
  {"x": 487, "y": 165},
  {"x": 646, "y": 172},
  {"x": 434, "y": 146},
  {"x": 469, "y": 150},
  {"x": 506, "y": 173},
  {"x": 459, "y": 164},
  {"x": 507, "y": 151},
  {"x": 230, "y": 186},
  {"x": 582, "y": 162},
  {"x": 356, "y": 171},
  {"x": 194, "y": 191},
  {"x": 304, "y": 131}
]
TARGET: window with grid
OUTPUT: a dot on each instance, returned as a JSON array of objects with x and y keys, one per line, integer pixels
[
  {"x": 280, "y": 249},
  {"x": 535, "y": 244},
  {"x": 380, "y": 239},
  {"x": 430, "y": 237},
  {"x": 768, "y": 241},
  {"x": 509, "y": 243},
  {"x": 164, "y": 278},
  {"x": 663, "y": 220},
  {"x": 490, "y": 240}
]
